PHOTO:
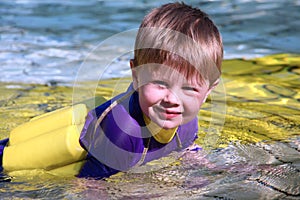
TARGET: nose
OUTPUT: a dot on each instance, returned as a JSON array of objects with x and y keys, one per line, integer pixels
[{"x": 171, "y": 98}]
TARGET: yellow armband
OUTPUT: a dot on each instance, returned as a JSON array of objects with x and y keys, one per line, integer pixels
[{"x": 48, "y": 141}]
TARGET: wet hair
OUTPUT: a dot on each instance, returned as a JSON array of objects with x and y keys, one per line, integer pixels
[{"x": 181, "y": 37}]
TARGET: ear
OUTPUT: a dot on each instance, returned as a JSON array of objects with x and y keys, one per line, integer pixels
[
  {"x": 210, "y": 89},
  {"x": 134, "y": 74},
  {"x": 214, "y": 84}
]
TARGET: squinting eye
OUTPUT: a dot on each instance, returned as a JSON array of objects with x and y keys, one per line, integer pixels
[{"x": 191, "y": 89}]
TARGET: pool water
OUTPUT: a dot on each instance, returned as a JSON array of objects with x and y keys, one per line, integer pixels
[{"x": 255, "y": 155}]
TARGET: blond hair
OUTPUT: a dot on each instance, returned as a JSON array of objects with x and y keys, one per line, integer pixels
[{"x": 181, "y": 37}]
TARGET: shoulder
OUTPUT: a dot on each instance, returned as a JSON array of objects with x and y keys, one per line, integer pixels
[
  {"x": 122, "y": 130},
  {"x": 116, "y": 140}
]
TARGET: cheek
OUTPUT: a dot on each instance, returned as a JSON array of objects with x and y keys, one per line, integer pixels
[
  {"x": 147, "y": 98},
  {"x": 146, "y": 95},
  {"x": 193, "y": 105}
]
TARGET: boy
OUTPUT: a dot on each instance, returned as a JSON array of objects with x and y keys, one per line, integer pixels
[{"x": 177, "y": 62}]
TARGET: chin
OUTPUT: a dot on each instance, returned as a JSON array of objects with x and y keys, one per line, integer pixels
[
  {"x": 167, "y": 125},
  {"x": 168, "y": 128}
]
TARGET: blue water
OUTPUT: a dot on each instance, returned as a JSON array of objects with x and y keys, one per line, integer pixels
[{"x": 47, "y": 41}]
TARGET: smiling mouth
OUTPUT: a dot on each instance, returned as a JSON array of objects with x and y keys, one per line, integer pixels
[
  {"x": 172, "y": 112},
  {"x": 168, "y": 114}
]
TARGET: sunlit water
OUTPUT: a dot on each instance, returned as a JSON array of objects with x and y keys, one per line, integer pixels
[{"x": 249, "y": 127}]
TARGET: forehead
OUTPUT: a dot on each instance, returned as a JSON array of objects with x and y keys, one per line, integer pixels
[{"x": 166, "y": 73}]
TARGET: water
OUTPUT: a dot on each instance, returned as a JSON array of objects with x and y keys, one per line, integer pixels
[{"x": 253, "y": 154}]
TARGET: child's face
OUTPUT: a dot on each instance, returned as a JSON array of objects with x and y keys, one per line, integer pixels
[{"x": 167, "y": 97}]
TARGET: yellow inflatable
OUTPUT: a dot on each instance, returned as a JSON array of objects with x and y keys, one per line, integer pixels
[{"x": 49, "y": 142}]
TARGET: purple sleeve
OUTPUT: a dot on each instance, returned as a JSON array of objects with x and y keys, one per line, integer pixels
[{"x": 115, "y": 145}]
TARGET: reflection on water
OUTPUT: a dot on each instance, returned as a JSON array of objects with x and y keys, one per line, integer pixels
[
  {"x": 262, "y": 97},
  {"x": 256, "y": 155}
]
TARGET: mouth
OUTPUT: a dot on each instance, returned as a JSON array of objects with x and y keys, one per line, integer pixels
[{"x": 168, "y": 113}]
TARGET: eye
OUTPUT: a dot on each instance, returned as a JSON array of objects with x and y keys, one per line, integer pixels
[{"x": 189, "y": 88}]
